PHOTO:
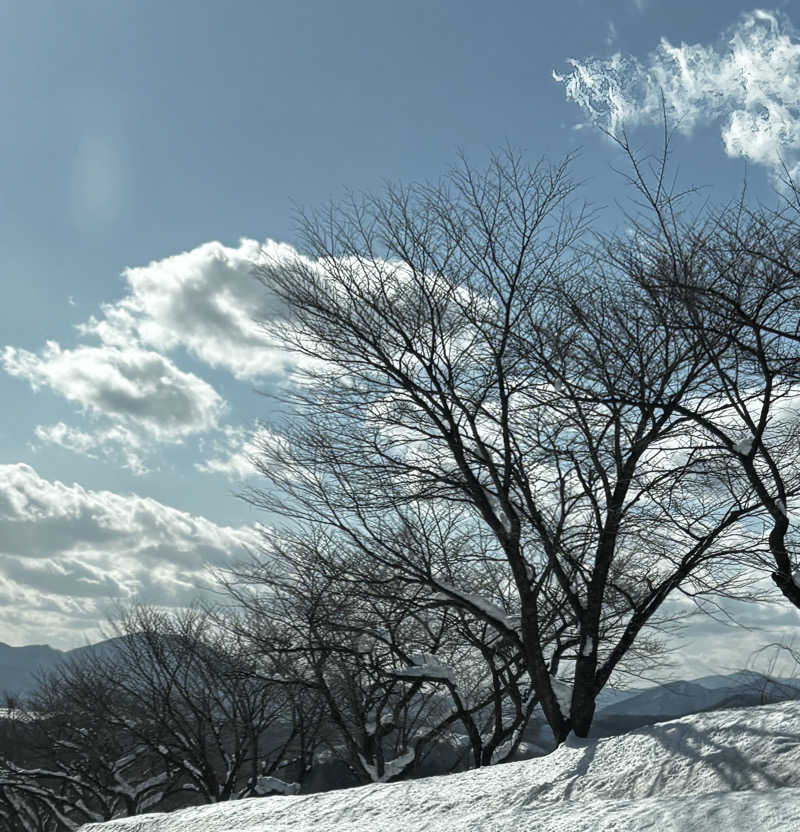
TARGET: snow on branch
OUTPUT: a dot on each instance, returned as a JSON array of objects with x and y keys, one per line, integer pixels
[
  {"x": 390, "y": 769},
  {"x": 273, "y": 785},
  {"x": 486, "y": 608},
  {"x": 427, "y": 666}
]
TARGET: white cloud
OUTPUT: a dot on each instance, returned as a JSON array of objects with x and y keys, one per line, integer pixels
[
  {"x": 749, "y": 86},
  {"x": 234, "y": 454},
  {"x": 108, "y": 443},
  {"x": 66, "y": 553},
  {"x": 205, "y": 300},
  {"x": 140, "y": 388},
  {"x": 70, "y": 438}
]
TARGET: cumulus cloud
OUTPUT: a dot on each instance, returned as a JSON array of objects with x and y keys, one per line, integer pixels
[
  {"x": 131, "y": 385},
  {"x": 747, "y": 85},
  {"x": 205, "y": 300},
  {"x": 67, "y": 552}
]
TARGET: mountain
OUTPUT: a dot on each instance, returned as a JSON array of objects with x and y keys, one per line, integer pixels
[
  {"x": 669, "y": 700},
  {"x": 702, "y": 773},
  {"x": 617, "y": 710},
  {"x": 18, "y": 666},
  {"x": 627, "y": 710},
  {"x": 675, "y": 699}
]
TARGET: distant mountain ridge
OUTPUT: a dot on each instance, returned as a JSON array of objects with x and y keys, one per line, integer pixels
[
  {"x": 19, "y": 665},
  {"x": 616, "y": 709},
  {"x": 675, "y": 699},
  {"x": 622, "y": 711}
]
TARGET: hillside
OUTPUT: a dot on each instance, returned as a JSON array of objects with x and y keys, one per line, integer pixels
[
  {"x": 18, "y": 666},
  {"x": 674, "y": 699},
  {"x": 734, "y": 769}
]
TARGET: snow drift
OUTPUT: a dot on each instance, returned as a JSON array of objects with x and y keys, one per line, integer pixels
[{"x": 735, "y": 770}]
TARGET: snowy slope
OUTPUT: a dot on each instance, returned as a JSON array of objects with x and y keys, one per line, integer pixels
[{"x": 731, "y": 770}]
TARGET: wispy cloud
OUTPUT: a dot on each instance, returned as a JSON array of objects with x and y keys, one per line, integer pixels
[
  {"x": 112, "y": 443},
  {"x": 67, "y": 552},
  {"x": 748, "y": 85},
  {"x": 234, "y": 453}
]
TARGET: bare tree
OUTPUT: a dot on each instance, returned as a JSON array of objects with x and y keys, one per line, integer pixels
[
  {"x": 199, "y": 701},
  {"x": 478, "y": 386},
  {"x": 732, "y": 279},
  {"x": 397, "y": 676},
  {"x": 21, "y": 811},
  {"x": 71, "y": 767},
  {"x": 170, "y": 711}
]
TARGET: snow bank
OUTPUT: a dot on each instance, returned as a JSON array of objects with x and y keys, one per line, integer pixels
[
  {"x": 736, "y": 770},
  {"x": 18, "y": 714}
]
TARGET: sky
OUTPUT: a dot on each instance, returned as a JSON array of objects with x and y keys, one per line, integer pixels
[{"x": 152, "y": 151}]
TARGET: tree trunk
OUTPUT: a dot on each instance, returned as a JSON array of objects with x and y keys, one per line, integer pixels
[{"x": 582, "y": 714}]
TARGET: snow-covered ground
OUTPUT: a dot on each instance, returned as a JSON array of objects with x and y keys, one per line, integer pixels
[{"x": 726, "y": 770}]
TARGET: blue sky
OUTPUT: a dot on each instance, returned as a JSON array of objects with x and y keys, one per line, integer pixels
[{"x": 150, "y": 148}]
